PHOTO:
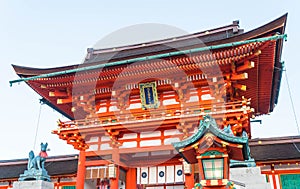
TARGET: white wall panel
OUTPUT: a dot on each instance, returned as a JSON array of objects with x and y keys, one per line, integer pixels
[
  {"x": 150, "y": 134},
  {"x": 93, "y": 147},
  {"x": 152, "y": 175},
  {"x": 144, "y": 175},
  {"x": 161, "y": 171},
  {"x": 138, "y": 175},
  {"x": 105, "y": 138},
  {"x": 129, "y": 136},
  {"x": 144, "y": 143},
  {"x": 175, "y": 187},
  {"x": 105, "y": 146},
  {"x": 160, "y": 174},
  {"x": 172, "y": 132},
  {"x": 170, "y": 174},
  {"x": 178, "y": 173},
  {"x": 171, "y": 140},
  {"x": 131, "y": 144}
]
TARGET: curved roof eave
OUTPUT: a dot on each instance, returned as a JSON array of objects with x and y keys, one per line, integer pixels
[
  {"x": 203, "y": 129},
  {"x": 273, "y": 26},
  {"x": 208, "y": 125}
]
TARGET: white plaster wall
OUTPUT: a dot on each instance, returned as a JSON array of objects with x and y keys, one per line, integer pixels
[
  {"x": 250, "y": 176},
  {"x": 90, "y": 184}
]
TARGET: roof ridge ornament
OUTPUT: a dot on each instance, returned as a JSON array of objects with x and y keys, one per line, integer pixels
[{"x": 207, "y": 121}]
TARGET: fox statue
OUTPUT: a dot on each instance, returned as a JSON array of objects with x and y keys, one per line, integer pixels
[{"x": 38, "y": 162}]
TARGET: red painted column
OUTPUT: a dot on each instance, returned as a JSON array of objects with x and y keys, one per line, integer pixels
[
  {"x": 81, "y": 170},
  {"x": 189, "y": 181},
  {"x": 189, "y": 178},
  {"x": 226, "y": 167},
  {"x": 215, "y": 187},
  {"x": 131, "y": 178}
]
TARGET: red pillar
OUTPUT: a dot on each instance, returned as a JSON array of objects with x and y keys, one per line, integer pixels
[
  {"x": 216, "y": 187},
  {"x": 226, "y": 167},
  {"x": 189, "y": 178},
  {"x": 131, "y": 178},
  {"x": 189, "y": 181},
  {"x": 81, "y": 170},
  {"x": 114, "y": 182}
]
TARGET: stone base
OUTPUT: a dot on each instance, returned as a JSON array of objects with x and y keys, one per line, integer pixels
[
  {"x": 35, "y": 174},
  {"x": 36, "y": 184},
  {"x": 250, "y": 176}
]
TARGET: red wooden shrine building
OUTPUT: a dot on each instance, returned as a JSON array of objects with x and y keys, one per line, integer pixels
[
  {"x": 277, "y": 157},
  {"x": 129, "y": 105}
]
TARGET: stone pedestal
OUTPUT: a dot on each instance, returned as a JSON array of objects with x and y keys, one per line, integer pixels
[
  {"x": 250, "y": 176},
  {"x": 35, "y": 174},
  {"x": 35, "y": 184}
]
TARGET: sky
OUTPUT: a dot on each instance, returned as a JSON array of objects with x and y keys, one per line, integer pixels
[{"x": 56, "y": 33}]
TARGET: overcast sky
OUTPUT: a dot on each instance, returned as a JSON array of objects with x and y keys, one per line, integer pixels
[{"x": 55, "y": 33}]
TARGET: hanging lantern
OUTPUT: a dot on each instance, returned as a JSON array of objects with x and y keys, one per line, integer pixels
[
  {"x": 187, "y": 168},
  {"x": 112, "y": 171}
]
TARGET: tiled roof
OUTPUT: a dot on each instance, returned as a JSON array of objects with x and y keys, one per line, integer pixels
[
  {"x": 275, "y": 149},
  {"x": 57, "y": 165}
]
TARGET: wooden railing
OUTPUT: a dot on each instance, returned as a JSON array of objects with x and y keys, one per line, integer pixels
[{"x": 191, "y": 109}]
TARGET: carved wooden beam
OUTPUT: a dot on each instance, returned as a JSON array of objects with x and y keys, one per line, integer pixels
[
  {"x": 239, "y": 86},
  {"x": 64, "y": 100},
  {"x": 247, "y": 65},
  {"x": 239, "y": 76},
  {"x": 114, "y": 135},
  {"x": 58, "y": 94}
]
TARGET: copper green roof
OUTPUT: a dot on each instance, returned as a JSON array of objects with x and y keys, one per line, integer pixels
[{"x": 209, "y": 125}]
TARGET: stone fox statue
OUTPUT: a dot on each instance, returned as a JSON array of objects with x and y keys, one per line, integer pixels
[{"x": 38, "y": 162}]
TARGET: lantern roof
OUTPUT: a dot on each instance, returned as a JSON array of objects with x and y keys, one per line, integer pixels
[{"x": 209, "y": 135}]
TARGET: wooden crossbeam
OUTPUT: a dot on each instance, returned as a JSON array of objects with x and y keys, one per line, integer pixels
[
  {"x": 96, "y": 163},
  {"x": 239, "y": 76},
  {"x": 64, "y": 100},
  {"x": 247, "y": 65},
  {"x": 239, "y": 86},
  {"x": 57, "y": 94}
]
